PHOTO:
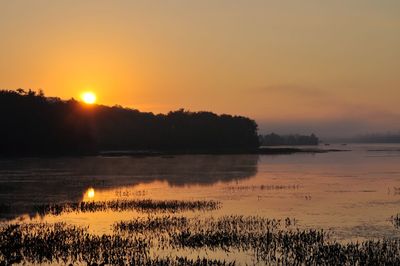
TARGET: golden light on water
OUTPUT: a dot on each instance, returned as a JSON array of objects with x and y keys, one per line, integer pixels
[
  {"x": 89, "y": 97},
  {"x": 90, "y": 193}
]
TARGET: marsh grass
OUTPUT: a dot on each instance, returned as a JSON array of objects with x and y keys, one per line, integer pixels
[
  {"x": 271, "y": 241},
  {"x": 145, "y": 206},
  {"x": 137, "y": 241},
  {"x": 395, "y": 219},
  {"x": 62, "y": 244},
  {"x": 262, "y": 187}
]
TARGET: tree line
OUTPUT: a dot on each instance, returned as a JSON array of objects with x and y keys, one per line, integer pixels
[
  {"x": 32, "y": 124},
  {"x": 290, "y": 140}
]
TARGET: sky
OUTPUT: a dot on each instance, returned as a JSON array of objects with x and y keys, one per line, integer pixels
[{"x": 325, "y": 67}]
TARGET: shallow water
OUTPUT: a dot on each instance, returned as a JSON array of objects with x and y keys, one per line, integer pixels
[{"x": 351, "y": 193}]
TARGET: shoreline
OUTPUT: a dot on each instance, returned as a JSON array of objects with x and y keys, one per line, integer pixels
[
  {"x": 259, "y": 151},
  {"x": 164, "y": 153}
]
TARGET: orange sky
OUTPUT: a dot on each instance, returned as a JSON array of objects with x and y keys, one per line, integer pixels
[{"x": 326, "y": 66}]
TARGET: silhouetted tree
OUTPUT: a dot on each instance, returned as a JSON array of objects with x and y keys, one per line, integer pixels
[
  {"x": 292, "y": 140},
  {"x": 32, "y": 124}
]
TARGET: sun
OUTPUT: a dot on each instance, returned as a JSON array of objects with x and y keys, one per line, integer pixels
[{"x": 88, "y": 97}]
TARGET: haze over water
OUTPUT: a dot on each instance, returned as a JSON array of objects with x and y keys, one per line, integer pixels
[{"x": 352, "y": 193}]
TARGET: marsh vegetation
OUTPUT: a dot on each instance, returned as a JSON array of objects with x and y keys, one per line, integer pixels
[
  {"x": 141, "y": 241},
  {"x": 146, "y": 205}
]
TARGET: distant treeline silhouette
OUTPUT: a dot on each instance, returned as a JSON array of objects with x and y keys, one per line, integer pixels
[
  {"x": 377, "y": 138},
  {"x": 32, "y": 124},
  {"x": 276, "y": 140}
]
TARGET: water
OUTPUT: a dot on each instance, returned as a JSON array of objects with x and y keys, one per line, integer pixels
[{"x": 353, "y": 194}]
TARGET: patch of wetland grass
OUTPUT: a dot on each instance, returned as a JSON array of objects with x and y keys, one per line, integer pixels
[
  {"x": 145, "y": 205},
  {"x": 139, "y": 242}
]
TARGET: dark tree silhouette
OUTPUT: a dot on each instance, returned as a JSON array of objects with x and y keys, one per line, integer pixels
[
  {"x": 292, "y": 140},
  {"x": 32, "y": 124}
]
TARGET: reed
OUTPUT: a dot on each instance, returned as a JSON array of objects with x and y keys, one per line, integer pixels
[
  {"x": 395, "y": 219},
  {"x": 137, "y": 241},
  {"x": 145, "y": 205}
]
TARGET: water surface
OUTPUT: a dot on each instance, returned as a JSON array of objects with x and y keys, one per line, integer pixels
[{"x": 352, "y": 193}]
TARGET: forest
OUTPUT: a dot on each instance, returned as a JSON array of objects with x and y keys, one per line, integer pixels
[{"x": 32, "y": 124}]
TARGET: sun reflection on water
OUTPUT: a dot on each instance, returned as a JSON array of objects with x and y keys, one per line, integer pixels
[{"x": 90, "y": 194}]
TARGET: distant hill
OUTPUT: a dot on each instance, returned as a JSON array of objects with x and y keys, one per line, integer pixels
[
  {"x": 288, "y": 140},
  {"x": 32, "y": 124}
]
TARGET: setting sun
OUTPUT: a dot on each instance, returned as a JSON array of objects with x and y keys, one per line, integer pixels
[{"x": 88, "y": 97}]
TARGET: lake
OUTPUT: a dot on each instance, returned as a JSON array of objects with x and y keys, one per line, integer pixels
[{"x": 350, "y": 194}]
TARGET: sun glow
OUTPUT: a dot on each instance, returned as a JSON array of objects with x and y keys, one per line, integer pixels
[
  {"x": 90, "y": 193},
  {"x": 88, "y": 97}
]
